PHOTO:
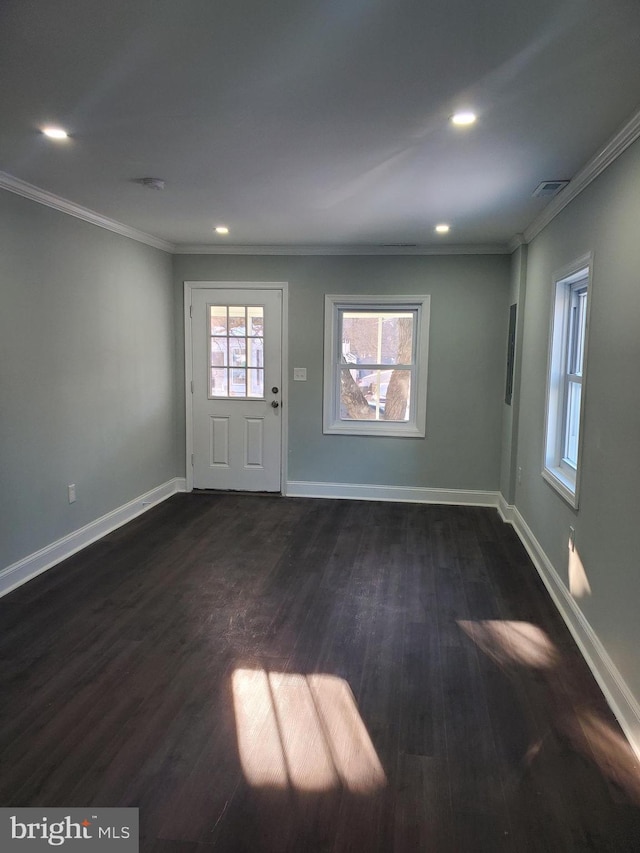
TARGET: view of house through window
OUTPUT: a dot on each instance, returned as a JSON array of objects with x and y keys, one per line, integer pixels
[
  {"x": 377, "y": 346},
  {"x": 375, "y": 366}
]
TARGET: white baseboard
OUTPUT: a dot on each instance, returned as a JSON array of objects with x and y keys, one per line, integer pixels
[
  {"x": 34, "y": 564},
  {"x": 402, "y": 494},
  {"x": 505, "y": 510},
  {"x": 621, "y": 700}
]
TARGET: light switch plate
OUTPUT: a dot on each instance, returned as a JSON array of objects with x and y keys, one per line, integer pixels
[{"x": 299, "y": 374}]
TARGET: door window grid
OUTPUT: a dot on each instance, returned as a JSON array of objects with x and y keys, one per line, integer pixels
[{"x": 236, "y": 352}]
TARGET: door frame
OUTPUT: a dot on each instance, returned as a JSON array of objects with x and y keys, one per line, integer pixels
[{"x": 189, "y": 287}]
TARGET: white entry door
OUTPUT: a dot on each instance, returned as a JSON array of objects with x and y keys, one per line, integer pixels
[{"x": 236, "y": 338}]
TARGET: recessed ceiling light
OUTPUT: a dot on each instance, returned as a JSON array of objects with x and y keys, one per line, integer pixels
[
  {"x": 443, "y": 228},
  {"x": 463, "y": 118},
  {"x": 222, "y": 229},
  {"x": 55, "y": 133}
]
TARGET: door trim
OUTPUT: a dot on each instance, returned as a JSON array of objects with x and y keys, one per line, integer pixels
[{"x": 189, "y": 287}]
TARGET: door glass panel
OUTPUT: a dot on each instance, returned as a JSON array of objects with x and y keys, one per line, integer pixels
[
  {"x": 218, "y": 384},
  {"x": 236, "y": 341},
  {"x": 256, "y": 383},
  {"x": 238, "y": 385},
  {"x": 238, "y": 352},
  {"x": 237, "y": 320},
  {"x": 256, "y": 352},
  {"x": 218, "y": 352},
  {"x": 255, "y": 316},
  {"x": 218, "y": 315}
]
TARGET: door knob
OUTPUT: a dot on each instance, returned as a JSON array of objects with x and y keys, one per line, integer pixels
[{"x": 275, "y": 404}]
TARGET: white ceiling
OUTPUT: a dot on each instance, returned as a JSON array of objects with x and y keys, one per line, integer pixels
[{"x": 313, "y": 122}]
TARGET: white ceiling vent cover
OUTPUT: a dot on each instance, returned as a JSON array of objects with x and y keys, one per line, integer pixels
[{"x": 549, "y": 188}]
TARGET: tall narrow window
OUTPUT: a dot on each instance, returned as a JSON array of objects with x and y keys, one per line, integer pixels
[
  {"x": 565, "y": 397},
  {"x": 375, "y": 365}
]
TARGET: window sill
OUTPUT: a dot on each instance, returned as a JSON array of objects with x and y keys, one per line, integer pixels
[
  {"x": 380, "y": 429},
  {"x": 564, "y": 485}
]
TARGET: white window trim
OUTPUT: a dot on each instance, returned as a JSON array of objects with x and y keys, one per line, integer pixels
[
  {"x": 557, "y": 472},
  {"x": 415, "y": 427}
]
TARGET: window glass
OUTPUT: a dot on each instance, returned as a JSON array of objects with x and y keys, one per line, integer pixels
[
  {"x": 375, "y": 365},
  {"x": 375, "y": 343},
  {"x": 565, "y": 395}
]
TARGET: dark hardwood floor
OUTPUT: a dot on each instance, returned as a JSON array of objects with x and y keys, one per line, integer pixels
[{"x": 259, "y": 673}]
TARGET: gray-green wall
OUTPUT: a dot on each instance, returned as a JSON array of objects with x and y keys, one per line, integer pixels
[
  {"x": 87, "y": 382},
  {"x": 469, "y": 319},
  {"x": 603, "y": 219}
]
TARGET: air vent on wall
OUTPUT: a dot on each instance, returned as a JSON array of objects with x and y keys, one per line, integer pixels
[{"x": 547, "y": 189}]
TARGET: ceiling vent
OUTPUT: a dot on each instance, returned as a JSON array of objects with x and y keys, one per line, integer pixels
[
  {"x": 151, "y": 183},
  {"x": 547, "y": 189}
]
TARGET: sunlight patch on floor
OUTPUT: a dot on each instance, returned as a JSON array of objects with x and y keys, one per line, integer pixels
[
  {"x": 612, "y": 753},
  {"x": 508, "y": 642},
  {"x": 302, "y": 732}
]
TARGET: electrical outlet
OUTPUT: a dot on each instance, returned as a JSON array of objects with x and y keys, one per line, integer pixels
[
  {"x": 71, "y": 490},
  {"x": 519, "y": 474}
]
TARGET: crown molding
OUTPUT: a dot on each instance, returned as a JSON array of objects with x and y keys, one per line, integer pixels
[
  {"x": 22, "y": 188},
  {"x": 339, "y": 249},
  {"x": 625, "y": 137},
  {"x": 515, "y": 242}
]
